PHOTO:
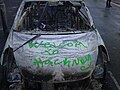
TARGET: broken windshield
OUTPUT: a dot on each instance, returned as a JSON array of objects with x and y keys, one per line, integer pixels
[{"x": 53, "y": 16}]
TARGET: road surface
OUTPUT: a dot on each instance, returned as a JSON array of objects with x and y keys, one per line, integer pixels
[{"x": 107, "y": 21}]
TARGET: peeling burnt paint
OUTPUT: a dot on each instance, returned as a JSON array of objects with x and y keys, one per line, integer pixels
[{"x": 51, "y": 77}]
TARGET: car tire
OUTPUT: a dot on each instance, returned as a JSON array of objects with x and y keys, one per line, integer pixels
[{"x": 101, "y": 69}]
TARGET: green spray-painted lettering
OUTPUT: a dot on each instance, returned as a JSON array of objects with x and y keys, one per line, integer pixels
[
  {"x": 66, "y": 62},
  {"x": 80, "y": 43},
  {"x": 75, "y": 62},
  {"x": 48, "y": 62},
  {"x": 50, "y": 52},
  {"x": 88, "y": 58},
  {"x": 69, "y": 44},
  {"x": 61, "y": 45},
  {"x": 47, "y": 45},
  {"x": 38, "y": 62},
  {"x": 84, "y": 62},
  {"x": 31, "y": 44},
  {"x": 53, "y": 45},
  {"x": 57, "y": 62}
]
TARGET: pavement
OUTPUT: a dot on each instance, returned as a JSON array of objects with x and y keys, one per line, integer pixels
[{"x": 107, "y": 21}]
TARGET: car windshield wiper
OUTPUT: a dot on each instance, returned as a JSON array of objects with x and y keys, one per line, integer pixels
[{"x": 36, "y": 36}]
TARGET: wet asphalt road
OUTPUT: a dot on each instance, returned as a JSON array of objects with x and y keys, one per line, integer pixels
[{"x": 107, "y": 22}]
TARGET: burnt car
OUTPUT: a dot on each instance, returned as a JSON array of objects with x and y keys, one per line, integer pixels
[{"x": 53, "y": 44}]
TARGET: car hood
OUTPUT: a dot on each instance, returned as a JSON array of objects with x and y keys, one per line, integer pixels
[{"x": 56, "y": 55}]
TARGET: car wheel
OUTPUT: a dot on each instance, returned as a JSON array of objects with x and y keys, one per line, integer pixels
[
  {"x": 99, "y": 74},
  {"x": 100, "y": 69}
]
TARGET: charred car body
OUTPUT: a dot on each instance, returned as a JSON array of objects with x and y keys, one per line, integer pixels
[{"x": 53, "y": 41}]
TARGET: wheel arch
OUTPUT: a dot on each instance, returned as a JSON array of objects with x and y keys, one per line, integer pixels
[
  {"x": 7, "y": 49},
  {"x": 4, "y": 52},
  {"x": 104, "y": 49}
]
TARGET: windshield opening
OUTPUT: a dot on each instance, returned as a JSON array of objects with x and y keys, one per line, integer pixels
[{"x": 53, "y": 16}]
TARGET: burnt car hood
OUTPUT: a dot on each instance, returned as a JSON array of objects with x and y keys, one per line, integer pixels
[{"x": 58, "y": 56}]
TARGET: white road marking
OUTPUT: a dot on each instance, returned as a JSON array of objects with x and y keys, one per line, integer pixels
[
  {"x": 114, "y": 3},
  {"x": 115, "y": 81}
]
